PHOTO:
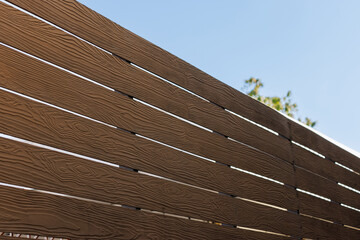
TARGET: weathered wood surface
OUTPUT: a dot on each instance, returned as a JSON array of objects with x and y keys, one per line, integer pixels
[
  {"x": 324, "y": 187},
  {"x": 82, "y": 21},
  {"x": 325, "y": 167},
  {"x": 34, "y": 77},
  {"x": 42, "y": 214},
  {"x": 47, "y": 42},
  {"x": 42, "y": 169}
]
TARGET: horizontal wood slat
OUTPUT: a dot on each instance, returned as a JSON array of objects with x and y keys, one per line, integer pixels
[
  {"x": 70, "y": 132},
  {"x": 324, "y": 187},
  {"x": 42, "y": 169},
  {"x": 42, "y": 124},
  {"x": 314, "y": 141},
  {"x": 42, "y": 214},
  {"x": 99, "y": 30},
  {"x": 317, "y": 229},
  {"x": 28, "y": 76},
  {"x": 328, "y": 210},
  {"x": 258, "y": 150},
  {"x": 324, "y": 167},
  {"x": 71, "y": 53},
  {"x": 34, "y": 79}
]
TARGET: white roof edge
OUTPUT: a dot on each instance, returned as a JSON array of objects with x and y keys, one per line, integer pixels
[{"x": 346, "y": 148}]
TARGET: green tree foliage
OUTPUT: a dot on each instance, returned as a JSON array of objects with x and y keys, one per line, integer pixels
[{"x": 284, "y": 104}]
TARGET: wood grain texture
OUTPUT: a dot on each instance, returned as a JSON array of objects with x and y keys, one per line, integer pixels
[
  {"x": 42, "y": 81},
  {"x": 107, "y": 106},
  {"x": 324, "y": 167},
  {"x": 313, "y": 141},
  {"x": 36, "y": 122},
  {"x": 23, "y": 118},
  {"x": 324, "y": 187},
  {"x": 328, "y": 210},
  {"x": 49, "y": 126},
  {"x": 43, "y": 169},
  {"x": 44, "y": 41},
  {"x": 42, "y": 214},
  {"x": 317, "y": 229},
  {"x": 84, "y": 22}
]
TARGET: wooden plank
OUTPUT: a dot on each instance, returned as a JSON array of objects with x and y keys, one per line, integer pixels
[
  {"x": 39, "y": 123},
  {"x": 324, "y": 167},
  {"x": 313, "y": 141},
  {"x": 328, "y": 210},
  {"x": 71, "y": 53},
  {"x": 82, "y": 21},
  {"x": 37, "y": 168},
  {"x": 170, "y": 163},
  {"x": 317, "y": 229},
  {"x": 34, "y": 79},
  {"x": 42, "y": 214},
  {"x": 324, "y": 187}
]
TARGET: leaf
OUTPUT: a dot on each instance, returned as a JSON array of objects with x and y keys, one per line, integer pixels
[{"x": 283, "y": 104}]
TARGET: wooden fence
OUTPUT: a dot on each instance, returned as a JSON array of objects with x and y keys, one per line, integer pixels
[{"x": 104, "y": 135}]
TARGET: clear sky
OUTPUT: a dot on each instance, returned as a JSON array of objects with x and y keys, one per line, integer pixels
[{"x": 311, "y": 47}]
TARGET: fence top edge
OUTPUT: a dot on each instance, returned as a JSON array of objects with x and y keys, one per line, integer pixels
[{"x": 322, "y": 135}]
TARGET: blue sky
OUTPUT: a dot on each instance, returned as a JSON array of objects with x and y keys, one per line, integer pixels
[{"x": 309, "y": 47}]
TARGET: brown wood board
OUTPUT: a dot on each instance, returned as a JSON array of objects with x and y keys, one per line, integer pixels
[
  {"x": 48, "y": 215},
  {"x": 325, "y": 167},
  {"x": 58, "y": 47},
  {"x": 324, "y": 187},
  {"x": 39, "y": 123},
  {"x": 46, "y": 125},
  {"x": 82, "y": 21},
  {"x": 320, "y": 208},
  {"x": 329, "y": 171},
  {"x": 101, "y": 104},
  {"x": 31, "y": 77},
  {"x": 317, "y": 229},
  {"x": 314, "y": 141},
  {"x": 47, "y": 170}
]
